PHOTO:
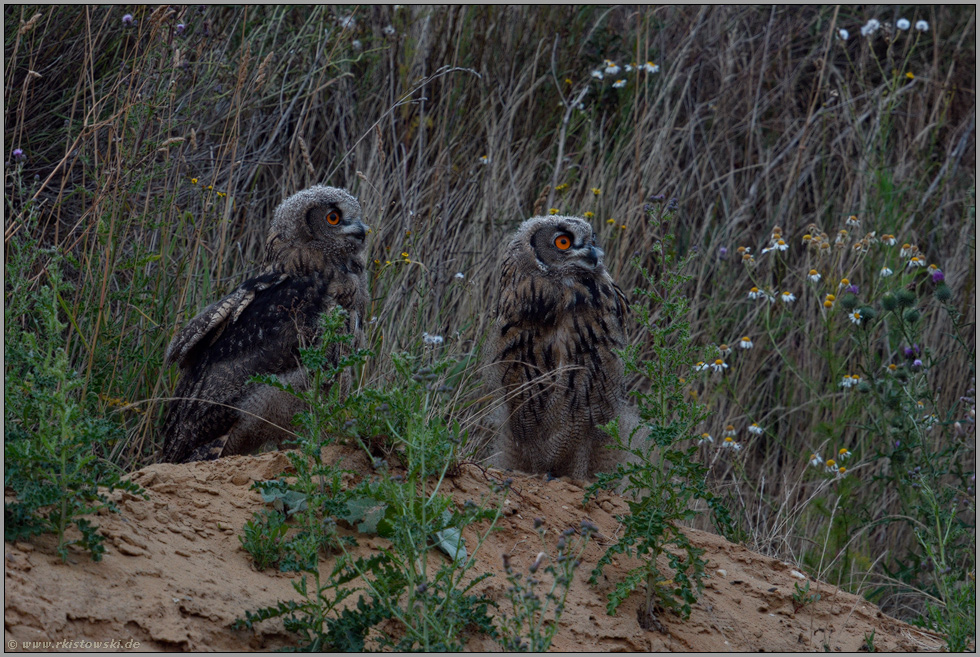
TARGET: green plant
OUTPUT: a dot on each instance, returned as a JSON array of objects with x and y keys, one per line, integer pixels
[
  {"x": 953, "y": 611},
  {"x": 55, "y": 444},
  {"x": 534, "y": 622},
  {"x": 433, "y": 606},
  {"x": 802, "y": 596},
  {"x": 869, "y": 641},
  {"x": 263, "y": 538},
  {"x": 662, "y": 478},
  {"x": 318, "y": 618}
]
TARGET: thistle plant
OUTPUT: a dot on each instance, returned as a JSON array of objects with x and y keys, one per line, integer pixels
[
  {"x": 662, "y": 478},
  {"x": 533, "y": 622}
]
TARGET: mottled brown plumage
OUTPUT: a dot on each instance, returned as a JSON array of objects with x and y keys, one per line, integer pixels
[
  {"x": 559, "y": 317},
  {"x": 314, "y": 261}
]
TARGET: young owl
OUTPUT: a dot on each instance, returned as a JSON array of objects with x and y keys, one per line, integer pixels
[
  {"x": 559, "y": 317},
  {"x": 314, "y": 261}
]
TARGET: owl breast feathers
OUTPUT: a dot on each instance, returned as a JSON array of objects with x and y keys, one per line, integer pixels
[
  {"x": 314, "y": 262},
  {"x": 559, "y": 318}
]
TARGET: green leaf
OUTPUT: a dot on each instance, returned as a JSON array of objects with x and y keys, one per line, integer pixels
[
  {"x": 289, "y": 500},
  {"x": 451, "y": 542},
  {"x": 367, "y": 514}
]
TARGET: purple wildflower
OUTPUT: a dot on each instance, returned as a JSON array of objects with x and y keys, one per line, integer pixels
[
  {"x": 127, "y": 19},
  {"x": 722, "y": 252},
  {"x": 853, "y": 289},
  {"x": 916, "y": 364},
  {"x": 180, "y": 29},
  {"x": 19, "y": 155},
  {"x": 938, "y": 276}
]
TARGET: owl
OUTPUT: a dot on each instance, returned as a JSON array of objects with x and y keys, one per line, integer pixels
[
  {"x": 552, "y": 364},
  {"x": 314, "y": 261}
]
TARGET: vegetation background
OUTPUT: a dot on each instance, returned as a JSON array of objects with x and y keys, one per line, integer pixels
[{"x": 147, "y": 151}]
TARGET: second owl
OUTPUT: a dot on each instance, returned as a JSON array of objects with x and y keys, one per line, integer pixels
[{"x": 560, "y": 315}]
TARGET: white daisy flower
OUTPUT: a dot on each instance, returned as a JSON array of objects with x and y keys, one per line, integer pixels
[
  {"x": 484, "y": 159},
  {"x": 843, "y": 34},
  {"x": 597, "y": 74},
  {"x": 459, "y": 276},
  {"x": 788, "y": 297},
  {"x": 754, "y": 428},
  {"x": 755, "y": 293},
  {"x": 815, "y": 460},
  {"x": 903, "y": 24},
  {"x": 814, "y": 275},
  {"x": 745, "y": 343},
  {"x": 922, "y": 26},
  {"x": 731, "y": 444},
  {"x": 855, "y": 317},
  {"x": 618, "y": 84},
  {"x": 886, "y": 272},
  {"x": 611, "y": 68},
  {"x": 388, "y": 30},
  {"x": 719, "y": 365},
  {"x": 705, "y": 438},
  {"x": 650, "y": 67}
]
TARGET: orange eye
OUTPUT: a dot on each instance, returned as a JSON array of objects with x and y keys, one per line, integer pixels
[
  {"x": 333, "y": 218},
  {"x": 563, "y": 242}
]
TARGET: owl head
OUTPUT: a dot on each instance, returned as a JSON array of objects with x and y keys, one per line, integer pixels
[
  {"x": 558, "y": 245},
  {"x": 325, "y": 219}
]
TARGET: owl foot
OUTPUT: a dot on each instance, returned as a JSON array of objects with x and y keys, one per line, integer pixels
[{"x": 208, "y": 451}]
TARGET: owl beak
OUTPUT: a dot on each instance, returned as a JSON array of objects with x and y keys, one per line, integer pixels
[
  {"x": 592, "y": 257},
  {"x": 358, "y": 231}
]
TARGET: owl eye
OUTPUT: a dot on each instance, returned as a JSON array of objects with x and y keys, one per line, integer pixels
[
  {"x": 563, "y": 242},
  {"x": 333, "y": 218}
]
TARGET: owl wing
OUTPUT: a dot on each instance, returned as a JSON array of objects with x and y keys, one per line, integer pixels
[
  {"x": 257, "y": 329},
  {"x": 210, "y": 323},
  {"x": 622, "y": 303}
]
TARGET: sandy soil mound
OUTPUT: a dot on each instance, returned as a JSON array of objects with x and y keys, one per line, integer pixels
[{"x": 175, "y": 577}]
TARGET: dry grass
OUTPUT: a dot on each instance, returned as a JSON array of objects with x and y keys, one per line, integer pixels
[{"x": 155, "y": 159}]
